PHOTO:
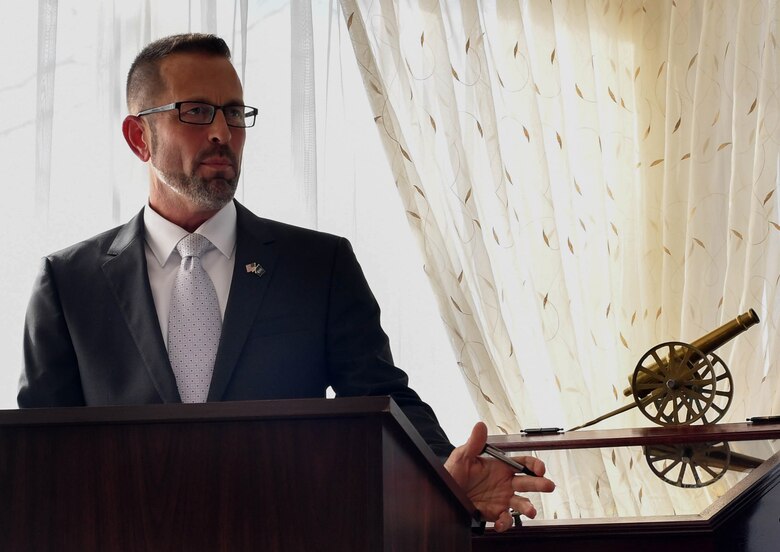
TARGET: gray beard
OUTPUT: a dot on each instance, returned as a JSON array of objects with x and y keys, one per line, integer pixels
[
  {"x": 212, "y": 194},
  {"x": 207, "y": 194}
]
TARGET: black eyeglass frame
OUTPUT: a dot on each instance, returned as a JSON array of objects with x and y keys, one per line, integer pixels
[{"x": 252, "y": 112}]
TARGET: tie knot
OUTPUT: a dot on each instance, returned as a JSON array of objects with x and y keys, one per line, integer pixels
[{"x": 193, "y": 245}]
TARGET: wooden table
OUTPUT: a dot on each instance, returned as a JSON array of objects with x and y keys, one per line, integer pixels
[{"x": 744, "y": 518}]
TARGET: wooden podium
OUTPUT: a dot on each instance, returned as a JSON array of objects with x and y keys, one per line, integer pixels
[{"x": 314, "y": 474}]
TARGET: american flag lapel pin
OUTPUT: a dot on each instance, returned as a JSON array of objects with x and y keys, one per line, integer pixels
[{"x": 255, "y": 268}]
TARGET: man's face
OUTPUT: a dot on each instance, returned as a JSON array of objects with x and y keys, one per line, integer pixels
[{"x": 199, "y": 164}]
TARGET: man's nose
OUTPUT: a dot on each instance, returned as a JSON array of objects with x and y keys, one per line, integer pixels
[{"x": 219, "y": 131}]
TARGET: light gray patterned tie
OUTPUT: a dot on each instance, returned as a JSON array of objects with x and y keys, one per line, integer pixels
[{"x": 194, "y": 322}]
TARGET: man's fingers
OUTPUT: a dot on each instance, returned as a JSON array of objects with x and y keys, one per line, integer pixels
[
  {"x": 477, "y": 440},
  {"x": 527, "y": 484},
  {"x": 503, "y": 522},
  {"x": 522, "y": 505},
  {"x": 532, "y": 463}
]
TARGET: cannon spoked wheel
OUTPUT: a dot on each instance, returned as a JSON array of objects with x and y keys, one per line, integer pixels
[
  {"x": 675, "y": 383},
  {"x": 724, "y": 391},
  {"x": 689, "y": 465}
]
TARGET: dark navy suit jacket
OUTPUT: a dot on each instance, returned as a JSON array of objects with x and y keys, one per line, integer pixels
[{"x": 92, "y": 336}]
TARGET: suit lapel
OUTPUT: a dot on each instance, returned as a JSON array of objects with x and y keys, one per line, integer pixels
[
  {"x": 247, "y": 289},
  {"x": 128, "y": 277}
]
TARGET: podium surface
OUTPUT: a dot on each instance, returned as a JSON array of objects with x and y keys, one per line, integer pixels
[{"x": 310, "y": 474}]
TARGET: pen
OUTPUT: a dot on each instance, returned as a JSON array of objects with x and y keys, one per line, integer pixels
[
  {"x": 541, "y": 430},
  {"x": 498, "y": 454},
  {"x": 764, "y": 419}
]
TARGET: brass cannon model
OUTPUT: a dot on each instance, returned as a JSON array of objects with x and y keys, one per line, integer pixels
[
  {"x": 678, "y": 383},
  {"x": 695, "y": 465}
]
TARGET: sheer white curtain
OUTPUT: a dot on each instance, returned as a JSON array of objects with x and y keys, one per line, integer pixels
[
  {"x": 312, "y": 159},
  {"x": 586, "y": 179}
]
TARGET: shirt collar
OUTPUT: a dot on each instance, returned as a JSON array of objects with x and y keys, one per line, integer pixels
[{"x": 162, "y": 235}]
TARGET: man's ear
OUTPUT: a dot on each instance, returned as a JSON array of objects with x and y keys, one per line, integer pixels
[{"x": 134, "y": 131}]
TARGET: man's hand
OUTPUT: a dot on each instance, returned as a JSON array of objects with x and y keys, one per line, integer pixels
[{"x": 491, "y": 484}]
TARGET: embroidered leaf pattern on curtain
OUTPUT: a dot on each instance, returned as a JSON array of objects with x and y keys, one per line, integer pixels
[{"x": 585, "y": 179}]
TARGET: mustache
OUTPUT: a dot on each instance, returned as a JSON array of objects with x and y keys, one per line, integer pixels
[{"x": 218, "y": 151}]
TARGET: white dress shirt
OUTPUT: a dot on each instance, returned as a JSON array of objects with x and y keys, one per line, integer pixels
[{"x": 162, "y": 259}]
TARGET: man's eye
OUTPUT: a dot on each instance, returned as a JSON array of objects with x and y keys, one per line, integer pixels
[
  {"x": 234, "y": 112},
  {"x": 197, "y": 110}
]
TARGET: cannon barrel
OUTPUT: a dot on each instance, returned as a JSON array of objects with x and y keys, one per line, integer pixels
[{"x": 708, "y": 343}]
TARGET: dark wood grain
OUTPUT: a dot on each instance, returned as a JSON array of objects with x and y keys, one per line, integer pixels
[
  {"x": 637, "y": 436},
  {"x": 293, "y": 475},
  {"x": 223, "y": 411}
]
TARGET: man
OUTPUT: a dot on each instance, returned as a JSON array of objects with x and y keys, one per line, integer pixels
[{"x": 258, "y": 310}]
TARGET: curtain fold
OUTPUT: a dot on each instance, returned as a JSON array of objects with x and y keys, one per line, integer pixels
[
  {"x": 586, "y": 179},
  {"x": 45, "y": 73},
  {"x": 303, "y": 110}
]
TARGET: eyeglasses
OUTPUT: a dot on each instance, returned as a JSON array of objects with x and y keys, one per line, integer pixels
[{"x": 201, "y": 113}]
